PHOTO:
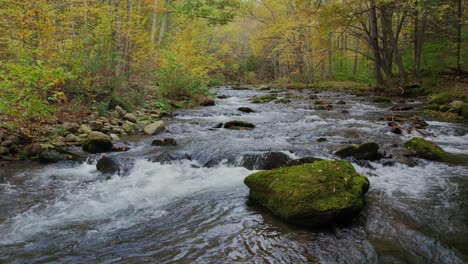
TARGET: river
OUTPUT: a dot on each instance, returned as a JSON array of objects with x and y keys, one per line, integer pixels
[{"x": 181, "y": 211}]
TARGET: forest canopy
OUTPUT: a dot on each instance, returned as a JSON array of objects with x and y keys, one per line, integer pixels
[{"x": 107, "y": 52}]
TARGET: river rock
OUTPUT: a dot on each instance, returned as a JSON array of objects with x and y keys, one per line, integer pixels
[
  {"x": 327, "y": 107},
  {"x": 155, "y": 128},
  {"x": 341, "y": 102},
  {"x": 164, "y": 142},
  {"x": 4, "y": 151},
  {"x": 314, "y": 194},
  {"x": 47, "y": 153},
  {"x": 366, "y": 151},
  {"x": 301, "y": 161},
  {"x": 245, "y": 109},
  {"x": 455, "y": 106},
  {"x": 95, "y": 125},
  {"x": 85, "y": 129},
  {"x": 239, "y": 125},
  {"x": 70, "y": 127},
  {"x": 425, "y": 149},
  {"x": 400, "y": 108},
  {"x": 261, "y": 99},
  {"x": 129, "y": 127},
  {"x": 440, "y": 99},
  {"x": 72, "y": 138},
  {"x": 207, "y": 102},
  {"x": 97, "y": 142},
  {"x": 264, "y": 161},
  {"x": 108, "y": 165},
  {"x": 130, "y": 117},
  {"x": 120, "y": 111}
]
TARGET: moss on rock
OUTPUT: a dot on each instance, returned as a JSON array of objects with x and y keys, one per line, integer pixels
[
  {"x": 440, "y": 99},
  {"x": 311, "y": 194},
  {"x": 426, "y": 149},
  {"x": 263, "y": 98},
  {"x": 239, "y": 125},
  {"x": 366, "y": 151}
]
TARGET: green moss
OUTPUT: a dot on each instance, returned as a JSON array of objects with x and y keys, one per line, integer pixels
[
  {"x": 440, "y": 99},
  {"x": 310, "y": 194},
  {"x": 381, "y": 99},
  {"x": 239, "y": 125},
  {"x": 426, "y": 149},
  {"x": 263, "y": 98},
  {"x": 282, "y": 101}
]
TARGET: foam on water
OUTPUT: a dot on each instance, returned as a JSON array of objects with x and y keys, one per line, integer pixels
[{"x": 139, "y": 196}]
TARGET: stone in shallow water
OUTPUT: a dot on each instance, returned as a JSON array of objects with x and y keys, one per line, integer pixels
[
  {"x": 314, "y": 194},
  {"x": 164, "y": 142},
  {"x": 239, "y": 125},
  {"x": 366, "y": 151}
]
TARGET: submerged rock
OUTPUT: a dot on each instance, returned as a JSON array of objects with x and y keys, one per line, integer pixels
[
  {"x": 108, "y": 165},
  {"x": 313, "y": 194},
  {"x": 164, "y": 142},
  {"x": 47, "y": 153},
  {"x": 263, "y": 98},
  {"x": 381, "y": 99},
  {"x": 366, "y": 151},
  {"x": 97, "y": 142},
  {"x": 245, "y": 109},
  {"x": 239, "y": 125}
]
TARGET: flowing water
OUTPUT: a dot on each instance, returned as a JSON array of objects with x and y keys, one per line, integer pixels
[{"x": 182, "y": 211}]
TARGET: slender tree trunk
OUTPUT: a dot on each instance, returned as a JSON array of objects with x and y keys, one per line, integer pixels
[
  {"x": 459, "y": 39},
  {"x": 162, "y": 29},
  {"x": 419, "y": 30},
  {"x": 154, "y": 23},
  {"x": 356, "y": 57},
  {"x": 330, "y": 65},
  {"x": 375, "y": 43}
]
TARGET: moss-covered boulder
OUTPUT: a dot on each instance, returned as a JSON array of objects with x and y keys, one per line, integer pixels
[
  {"x": 426, "y": 150},
  {"x": 440, "y": 99},
  {"x": 312, "y": 194},
  {"x": 261, "y": 99},
  {"x": 97, "y": 142},
  {"x": 366, "y": 151},
  {"x": 239, "y": 125}
]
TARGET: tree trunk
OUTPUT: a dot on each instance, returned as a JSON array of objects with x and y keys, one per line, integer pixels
[
  {"x": 419, "y": 30},
  {"x": 162, "y": 29},
  {"x": 374, "y": 41},
  {"x": 154, "y": 23},
  {"x": 356, "y": 57},
  {"x": 459, "y": 39}
]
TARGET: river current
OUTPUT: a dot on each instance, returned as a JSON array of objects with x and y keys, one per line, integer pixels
[{"x": 183, "y": 211}]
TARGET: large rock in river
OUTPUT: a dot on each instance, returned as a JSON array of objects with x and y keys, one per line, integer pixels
[
  {"x": 366, "y": 151},
  {"x": 311, "y": 194},
  {"x": 425, "y": 149},
  {"x": 97, "y": 142},
  {"x": 155, "y": 128},
  {"x": 239, "y": 125}
]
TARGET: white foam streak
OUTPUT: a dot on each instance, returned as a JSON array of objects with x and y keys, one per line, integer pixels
[{"x": 147, "y": 189}]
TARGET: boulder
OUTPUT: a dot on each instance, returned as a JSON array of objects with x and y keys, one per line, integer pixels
[
  {"x": 261, "y": 99},
  {"x": 108, "y": 165},
  {"x": 313, "y": 194},
  {"x": 97, "y": 142},
  {"x": 282, "y": 101},
  {"x": 327, "y": 107},
  {"x": 120, "y": 111},
  {"x": 366, "y": 151},
  {"x": 129, "y": 127},
  {"x": 207, "y": 102},
  {"x": 456, "y": 106},
  {"x": 155, "y": 128},
  {"x": 440, "y": 99},
  {"x": 4, "y": 151},
  {"x": 245, "y": 109},
  {"x": 322, "y": 139},
  {"x": 95, "y": 125},
  {"x": 264, "y": 161},
  {"x": 164, "y": 142},
  {"x": 341, "y": 102},
  {"x": 218, "y": 125},
  {"x": 70, "y": 127},
  {"x": 425, "y": 149},
  {"x": 130, "y": 117},
  {"x": 301, "y": 161},
  {"x": 47, "y": 153},
  {"x": 72, "y": 138},
  {"x": 85, "y": 129},
  {"x": 239, "y": 125}
]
